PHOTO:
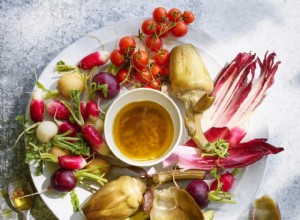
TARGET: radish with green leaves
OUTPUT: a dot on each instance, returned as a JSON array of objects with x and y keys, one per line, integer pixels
[
  {"x": 72, "y": 162},
  {"x": 107, "y": 85},
  {"x": 46, "y": 130}
]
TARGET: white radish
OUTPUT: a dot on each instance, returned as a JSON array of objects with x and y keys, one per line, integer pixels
[{"x": 46, "y": 130}]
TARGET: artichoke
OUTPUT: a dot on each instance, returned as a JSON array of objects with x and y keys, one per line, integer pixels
[
  {"x": 190, "y": 81},
  {"x": 116, "y": 200},
  {"x": 176, "y": 204}
]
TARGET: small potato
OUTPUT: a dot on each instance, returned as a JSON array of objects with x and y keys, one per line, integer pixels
[
  {"x": 68, "y": 82},
  {"x": 99, "y": 166},
  {"x": 57, "y": 151}
]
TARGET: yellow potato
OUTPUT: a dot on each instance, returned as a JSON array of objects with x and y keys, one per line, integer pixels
[{"x": 69, "y": 82}]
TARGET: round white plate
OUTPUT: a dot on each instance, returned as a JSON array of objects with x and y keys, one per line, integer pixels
[{"x": 214, "y": 56}]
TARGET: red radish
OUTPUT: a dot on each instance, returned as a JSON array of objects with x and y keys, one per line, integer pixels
[
  {"x": 37, "y": 106},
  {"x": 58, "y": 109},
  {"x": 227, "y": 180},
  {"x": 65, "y": 126},
  {"x": 95, "y": 139},
  {"x": 63, "y": 180},
  {"x": 92, "y": 60},
  {"x": 91, "y": 110},
  {"x": 46, "y": 130},
  {"x": 113, "y": 86},
  {"x": 71, "y": 162},
  {"x": 82, "y": 109},
  {"x": 97, "y": 123}
]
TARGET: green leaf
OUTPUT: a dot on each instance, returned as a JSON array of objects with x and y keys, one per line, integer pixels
[
  {"x": 74, "y": 200},
  {"x": 61, "y": 67},
  {"x": 97, "y": 87}
]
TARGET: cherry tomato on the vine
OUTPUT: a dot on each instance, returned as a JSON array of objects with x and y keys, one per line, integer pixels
[
  {"x": 127, "y": 45},
  {"x": 121, "y": 75},
  {"x": 143, "y": 77},
  {"x": 149, "y": 27},
  {"x": 180, "y": 29},
  {"x": 140, "y": 60},
  {"x": 153, "y": 43},
  {"x": 165, "y": 71},
  {"x": 188, "y": 17},
  {"x": 155, "y": 84},
  {"x": 162, "y": 30},
  {"x": 161, "y": 57},
  {"x": 174, "y": 14},
  {"x": 156, "y": 70},
  {"x": 159, "y": 14},
  {"x": 117, "y": 57}
]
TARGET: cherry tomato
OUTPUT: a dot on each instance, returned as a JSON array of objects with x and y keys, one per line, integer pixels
[
  {"x": 143, "y": 77},
  {"x": 162, "y": 30},
  {"x": 174, "y": 14},
  {"x": 156, "y": 70},
  {"x": 161, "y": 57},
  {"x": 153, "y": 43},
  {"x": 180, "y": 29},
  {"x": 165, "y": 71},
  {"x": 121, "y": 75},
  {"x": 117, "y": 57},
  {"x": 160, "y": 14},
  {"x": 155, "y": 84},
  {"x": 140, "y": 59},
  {"x": 127, "y": 45},
  {"x": 188, "y": 17},
  {"x": 149, "y": 27}
]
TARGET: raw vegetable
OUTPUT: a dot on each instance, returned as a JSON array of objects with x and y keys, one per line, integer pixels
[
  {"x": 66, "y": 126},
  {"x": 99, "y": 166},
  {"x": 199, "y": 189},
  {"x": 46, "y": 130},
  {"x": 37, "y": 106},
  {"x": 57, "y": 151},
  {"x": 241, "y": 155},
  {"x": 63, "y": 180},
  {"x": 264, "y": 208},
  {"x": 71, "y": 162},
  {"x": 190, "y": 81},
  {"x": 69, "y": 82},
  {"x": 95, "y": 59},
  {"x": 91, "y": 110},
  {"x": 174, "y": 203},
  {"x": 226, "y": 180},
  {"x": 107, "y": 85},
  {"x": 58, "y": 109}
]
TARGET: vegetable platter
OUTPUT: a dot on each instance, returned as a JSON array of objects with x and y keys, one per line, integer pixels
[{"x": 215, "y": 58}]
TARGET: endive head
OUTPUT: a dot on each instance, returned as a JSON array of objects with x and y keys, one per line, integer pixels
[{"x": 118, "y": 199}]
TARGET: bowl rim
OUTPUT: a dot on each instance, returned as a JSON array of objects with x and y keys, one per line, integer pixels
[{"x": 109, "y": 124}]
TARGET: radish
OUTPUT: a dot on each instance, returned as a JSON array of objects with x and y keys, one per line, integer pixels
[
  {"x": 112, "y": 88},
  {"x": 37, "y": 106},
  {"x": 92, "y": 60},
  {"x": 97, "y": 123},
  {"x": 91, "y": 110},
  {"x": 66, "y": 126},
  {"x": 95, "y": 139},
  {"x": 46, "y": 130},
  {"x": 72, "y": 162},
  {"x": 63, "y": 180},
  {"x": 58, "y": 109},
  {"x": 82, "y": 109},
  {"x": 227, "y": 180}
]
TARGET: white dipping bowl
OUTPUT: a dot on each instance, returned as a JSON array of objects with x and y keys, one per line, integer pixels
[{"x": 136, "y": 95}]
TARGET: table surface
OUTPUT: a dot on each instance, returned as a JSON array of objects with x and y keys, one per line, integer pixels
[{"x": 33, "y": 32}]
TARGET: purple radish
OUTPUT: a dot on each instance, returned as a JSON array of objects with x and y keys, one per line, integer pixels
[
  {"x": 113, "y": 86},
  {"x": 199, "y": 189},
  {"x": 37, "y": 106},
  {"x": 63, "y": 180},
  {"x": 71, "y": 162},
  {"x": 58, "y": 109},
  {"x": 95, "y": 139},
  {"x": 92, "y": 60}
]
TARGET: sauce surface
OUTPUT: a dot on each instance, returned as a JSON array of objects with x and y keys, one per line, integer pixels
[{"x": 143, "y": 130}]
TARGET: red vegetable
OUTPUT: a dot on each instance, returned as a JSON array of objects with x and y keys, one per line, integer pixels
[
  {"x": 113, "y": 86},
  {"x": 91, "y": 110},
  {"x": 63, "y": 180},
  {"x": 65, "y": 126},
  {"x": 241, "y": 155},
  {"x": 92, "y": 60},
  {"x": 58, "y": 109},
  {"x": 227, "y": 180},
  {"x": 71, "y": 162},
  {"x": 37, "y": 106},
  {"x": 96, "y": 141}
]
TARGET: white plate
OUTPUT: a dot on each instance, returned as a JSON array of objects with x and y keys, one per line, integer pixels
[{"x": 214, "y": 56}]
